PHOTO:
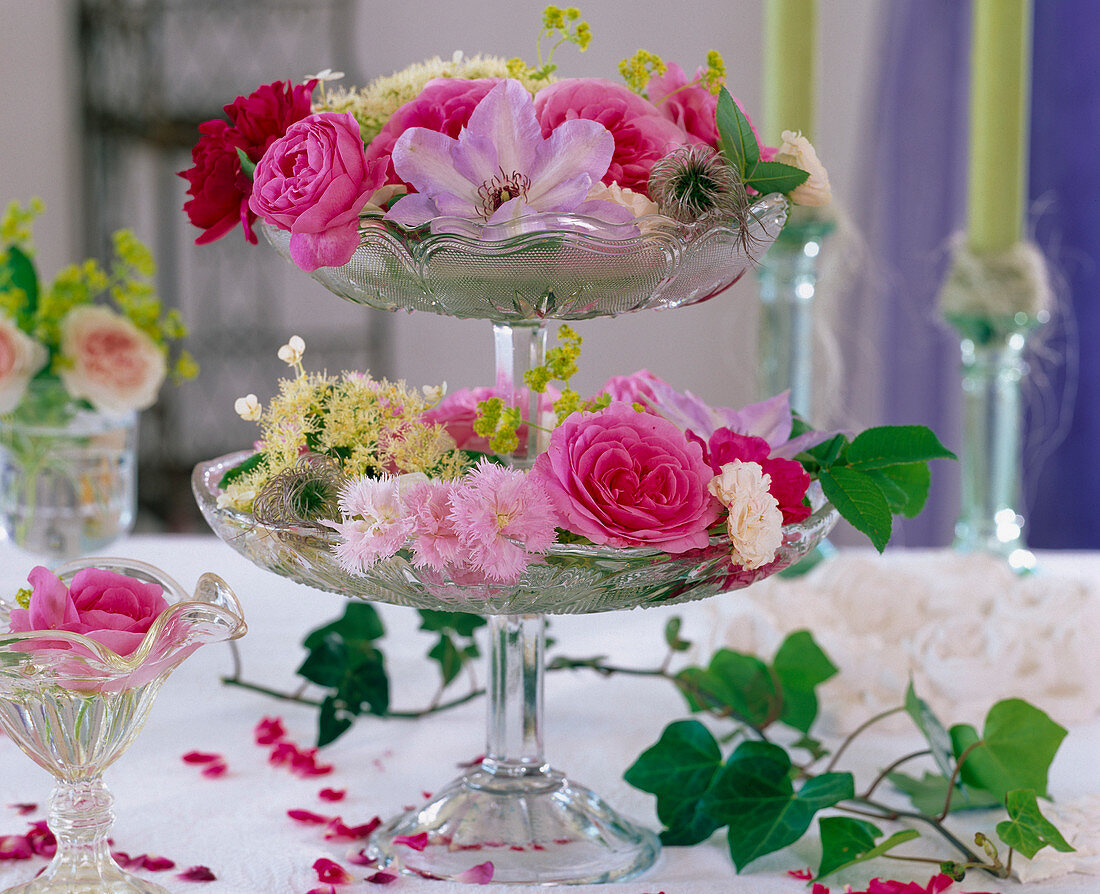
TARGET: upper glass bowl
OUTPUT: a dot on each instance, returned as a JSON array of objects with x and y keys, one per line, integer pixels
[
  {"x": 573, "y": 579},
  {"x": 563, "y": 267}
]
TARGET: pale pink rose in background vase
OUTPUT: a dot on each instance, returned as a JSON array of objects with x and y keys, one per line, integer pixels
[
  {"x": 110, "y": 608},
  {"x": 313, "y": 182},
  {"x": 755, "y": 522},
  {"x": 624, "y": 478},
  {"x": 21, "y": 357},
  {"x": 109, "y": 361},
  {"x": 642, "y": 134},
  {"x": 797, "y": 150}
]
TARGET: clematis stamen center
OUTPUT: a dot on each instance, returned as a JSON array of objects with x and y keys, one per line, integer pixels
[{"x": 501, "y": 188}]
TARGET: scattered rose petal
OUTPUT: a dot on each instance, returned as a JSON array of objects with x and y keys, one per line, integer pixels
[
  {"x": 215, "y": 770},
  {"x": 329, "y": 890},
  {"x": 332, "y": 794},
  {"x": 472, "y": 763},
  {"x": 197, "y": 874},
  {"x": 425, "y": 795},
  {"x": 121, "y": 858},
  {"x": 154, "y": 863},
  {"x": 269, "y": 731},
  {"x": 24, "y": 809},
  {"x": 481, "y": 874},
  {"x": 417, "y": 842},
  {"x": 332, "y": 872},
  {"x": 360, "y": 858},
  {"x": 41, "y": 839},
  {"x": 338, "y": 831},
  {"x": 308, "y": 817},
  {"x": 803, "y": 874},
  {"x": 15, "y": 847},
  {"x": 382, "y": 878},
  {"x": 201, "y": 757}
]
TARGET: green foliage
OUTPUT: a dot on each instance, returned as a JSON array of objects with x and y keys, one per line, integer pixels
[
  {"x": 934, "y": 732},
  {"x": 800, "y": 667},
  {"x": 1026, "y": 829},
  {"x": 673, "y": 639},
  {"x": 846, "y": 841},
  {"x": 929, "y": 793},
  {"x": 455, "y": 647},
  {"x": 241, "y": 469},
  {"x": 738, "y": 144}
]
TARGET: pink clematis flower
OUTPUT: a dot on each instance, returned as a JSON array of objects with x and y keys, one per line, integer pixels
[{"x": 500, "y": 168}]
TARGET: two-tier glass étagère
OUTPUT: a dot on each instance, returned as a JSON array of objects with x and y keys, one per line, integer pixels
[{"x": 534, "y": 823}]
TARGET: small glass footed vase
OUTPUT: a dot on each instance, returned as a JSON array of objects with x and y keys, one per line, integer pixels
[
  {"x": 74, "y": 706},
  {"x": 67, "y": 474}
]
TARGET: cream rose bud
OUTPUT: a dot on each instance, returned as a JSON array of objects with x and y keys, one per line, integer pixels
[
  {"x": 109, "y": 361},
  {"x": 755, "y": 522},
  {"x": 20, "y": 358},
  {"x": 798, "y": 151},
  {"x": 637, "y": 203}
]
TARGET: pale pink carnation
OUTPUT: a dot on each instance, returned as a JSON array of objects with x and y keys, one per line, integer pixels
[
  {"x": 642, "y": 133},
  {"x": 799, "y": 152},
  {"x": 435, "y": 541},
  {"x": 110, "y": 361},
  {"x": 374, "y": 525},
  {"x": 21, "y": 357},
  {"x": 755, "y": 522},
  {"x": 503, "y": 516}
]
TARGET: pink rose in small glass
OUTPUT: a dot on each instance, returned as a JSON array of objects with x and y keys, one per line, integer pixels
[
  {"x": 641, "y": 132},
  {"x": 458, "y": 410},
  {"x": 110, "y": 361},
  {"x": 444, "y": 105},
  {"x": 624, "y": 478},
  {"x": 21, "y": 357},
  {"x": 313, "y": 182},
  {"x": 105, "y": 606}
]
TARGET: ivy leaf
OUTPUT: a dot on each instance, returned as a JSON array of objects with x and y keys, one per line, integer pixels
[
  {"x": 754, "y": 796},
  {"x": 1015, "y": 751},
  {"x": 462, "y": 623},
  {"x": 800, "y": 666},
  {"x": 672, "y": 635},
  {"x": 449, "y": 658},
  {"x": 359, "y": 622},
  {"x": 860, "y": 501},
  {"x": 1026, "y": 829},
  {"x": 774, "y": 176},
  {"x": 333, "y": 722},
  {"x": 846, "y": 842},
  {"x": 678, "y": 769},
  {"x": 735, "y": 136},
  {"x": 891, "y": 445},
  {"x": 240, "y": 469},
  {"x": 929, "y": 793},
  {"x": 905, "y": 486},
  {"x": 737, "y": 684},
  {"x": 934, "y": 732}
]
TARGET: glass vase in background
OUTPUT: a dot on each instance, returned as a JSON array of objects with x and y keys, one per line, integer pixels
[
  {"x": 74, "y": 706},
  {"x": 67, "y": 474}
]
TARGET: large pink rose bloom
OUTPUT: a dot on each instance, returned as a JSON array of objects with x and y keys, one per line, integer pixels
[
  {"x": 313, "y": 182},
  {"x": 110, "y": 608},
  {"x": 624, "y": 478},
  {"x": 109, "y": 361},
  {"x": 642, "y": 133},
  {"x": 444, "y": 105},
  {"x": 692, "y": 107}
]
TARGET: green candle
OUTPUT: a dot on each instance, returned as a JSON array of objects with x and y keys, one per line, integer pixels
[
  {"x": 1000, "y": 75},
  {"x": 790, "y": 32}
]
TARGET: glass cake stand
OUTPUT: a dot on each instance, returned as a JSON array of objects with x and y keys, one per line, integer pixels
[{"x": 538, "y": 826}]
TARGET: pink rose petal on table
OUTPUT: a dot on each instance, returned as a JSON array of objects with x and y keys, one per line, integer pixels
[
  {"x": 15, "y": 847},
  {"x": 338, "y": 831},
  {"x": 329, "y": 890},
  {"x": 24, "y": 809},
  {"x": 154, "y": 863},
  {"x": 332, "y": 794},
  {"x": 213, "y": 771},
  {"x": 122, "y": 858},
  {"x": 481, "y": 874},
  {"x": 269, "y": 731},
  {"x": 197, "y": 874},
  {"x": 804, "y": 874},
  {"x": 201, "y": 757},
  {"x": 417, "y": 842},
  {"x": 331, "y": 872},
  {"x": 308, "y": 817},
  {"x": 360, "y": 858},
  {"x": 41, "y": 839},
  {"x": 382, "y": 878}
]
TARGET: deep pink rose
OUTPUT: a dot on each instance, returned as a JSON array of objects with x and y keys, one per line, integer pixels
[
  {"x": 110, "y": 608},
  {"x": 458, "y": 410},
  {"x": 313, "y": 182},
  {"x": 789, "y": 481},
  {"x": 444, "y": 105},
  {"x": 624, "y": 478},
  {"x": 219, "y": 188},
  {"x": 642, "y": 133},
  {"x": 692, "y": 106}
]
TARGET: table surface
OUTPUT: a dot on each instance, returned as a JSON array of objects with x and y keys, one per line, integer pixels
[{"x": 237, "y": 824}]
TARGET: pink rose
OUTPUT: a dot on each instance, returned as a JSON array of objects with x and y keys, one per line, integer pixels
[
  {"x": 458, "y": 410},
  {"x": 642, "y": 133},
  {"x": 21, "y": 357},
  {"x": 692, "y": 107},
  {"x": 110, "y": 608},
  {"x": 444, "y": 105},
  {"x": 313, "y": 182},
  {"x": 110, "y": 362},
  {"x": 623, "y": 478},
  {"x": 637, "y": 388}
]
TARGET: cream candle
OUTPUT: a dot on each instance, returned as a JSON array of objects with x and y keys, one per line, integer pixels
[
  {"x": 1000, "y": 74},
  {"x": 790, "y": 32}
]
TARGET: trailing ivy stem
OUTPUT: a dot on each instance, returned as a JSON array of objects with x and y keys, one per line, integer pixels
[
  {"x": 891, "y": 814},
  {"x": 859, "y": 729},
  {"x": 890, "y": 769},
  {"x": 954, "y": 778},
  {"x": 273, "y": 693}
]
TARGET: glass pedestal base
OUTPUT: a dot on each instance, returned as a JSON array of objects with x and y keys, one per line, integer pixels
[
  {"x": 535, "y": 826},
  {"x": 88, "y": 879}
]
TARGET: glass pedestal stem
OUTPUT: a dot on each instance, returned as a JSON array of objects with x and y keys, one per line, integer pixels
[
  {"x": 513, "y": 745},
  {"x": 518, "y": 348}
]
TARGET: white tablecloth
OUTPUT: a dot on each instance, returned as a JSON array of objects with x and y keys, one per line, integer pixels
[{"x": 237, "y": 824}]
